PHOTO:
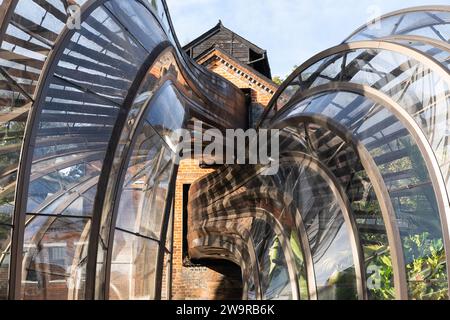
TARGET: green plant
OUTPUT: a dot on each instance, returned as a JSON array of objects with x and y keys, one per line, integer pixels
[{"x": 426, "y": 269}]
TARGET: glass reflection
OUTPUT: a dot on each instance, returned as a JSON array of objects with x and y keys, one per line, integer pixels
[
  {"x": 406, "y": 177},
  {"x": 145, "y": 200},
  {"x": 273, "y": 273},
  {"x": 417, "y": 88},
  {"x": 428, "y": 23},
  {"x": 133, "y": 267},
  {"x": 54, "y": 258},
  {"x": 5, "y": 239}
]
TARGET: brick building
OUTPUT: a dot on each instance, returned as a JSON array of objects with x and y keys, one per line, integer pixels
[{"x": 247, "y": 66}]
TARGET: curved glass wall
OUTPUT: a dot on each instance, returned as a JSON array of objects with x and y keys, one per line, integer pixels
[
  {"x": 77, "y": 86},
  {"x": 374, "y": 114},
  {"x": 359, "y": 208},
  {"x": 406, "y": 178},
  {"x": 25, "y": 43},
  {"x": 145, "y": 202},
  {"x": 419, "y": 89},
  {"x": 312, "y": 223},
  {"x": 432, "y": 22},
  {"x": 82, "y": 98}
]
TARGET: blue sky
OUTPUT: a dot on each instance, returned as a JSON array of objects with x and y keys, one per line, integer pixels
[{"x": 290, "y": 30}]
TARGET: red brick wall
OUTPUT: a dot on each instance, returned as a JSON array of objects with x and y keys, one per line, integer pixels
[
  {"x": 220, "y": 280},
  {"x": 197, "y": 282},
  {"x": 260, "y": 95}
]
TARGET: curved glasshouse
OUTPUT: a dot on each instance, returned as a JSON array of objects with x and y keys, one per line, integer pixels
[
  {"x": 359, "y": 207},
  {"x": 91, "y": 95}
]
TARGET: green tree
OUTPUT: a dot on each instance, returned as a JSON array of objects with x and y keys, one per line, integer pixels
[{"x": 278, "y": 80}]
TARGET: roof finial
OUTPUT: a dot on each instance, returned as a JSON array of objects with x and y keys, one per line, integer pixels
[{"x": 220, "y": 23}]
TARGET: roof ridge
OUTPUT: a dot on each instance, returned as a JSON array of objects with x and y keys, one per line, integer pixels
[{"x": 220, "y": 26}]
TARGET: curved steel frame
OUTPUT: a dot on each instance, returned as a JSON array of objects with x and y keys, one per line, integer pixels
[
  {"x": 343, "y": 202},
  {"x": 414, "y": 130},
  {"x": 342, "y": 48},
  {"x": 202, "y": 91},
  {"x": 380, "y": 190},
  {"x": 399, "y": 12},
  {"x": 432, "y": 42},
  {"x": 30, "y": 136}
]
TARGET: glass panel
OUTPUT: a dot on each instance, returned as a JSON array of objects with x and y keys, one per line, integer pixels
[
  {"x": 54, "y": 258},
  {"x": 139, "y": 21},
  {"x": 421, "y": 91},
  {"x": 133, "y": 267},
  {"x": 406, "y": 177},
  {"x": 53, "y": 186},
  {"x": 439, "y": 53},
  {"x": 164, "y": 68},
  {"x": 13, "y": 114},
  {"x": 102, "y": 57},
  {"x": 144, "y": 196},
  {"x": 41, "y": 21},
  {"x": 329, "y": 238},
  {"x": 433, "y": 24},
  {"x": 5, "y": 241},
  {"x": 275, "y": 281},
  {"x": 167, "y": 114}
]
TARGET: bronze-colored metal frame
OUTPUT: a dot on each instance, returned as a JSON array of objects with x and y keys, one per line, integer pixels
[
  {"x": 345, "y": 47},
  {"x": 223, "y": 97},
  {"x": 30, "y": 136},
  {"x": 443, "y": 8},
  {"x": 431, "y": 162}
]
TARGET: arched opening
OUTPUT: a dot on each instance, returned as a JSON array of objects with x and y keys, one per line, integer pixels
[{"x": 222, "y": 279}]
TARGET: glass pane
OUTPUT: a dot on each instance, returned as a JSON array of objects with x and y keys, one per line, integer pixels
[
  {"x": 418, "y": 89},
  {"x": 275, "y": 281},
  {"x": 406, "y": 177},
  {"x": 5, "y": 241},
  {"x": 432, "y": 24},
  {"x": 167, "y": 114},
  {"x": 133, "y": 267},
  {"x": 144, "y": 196},
  {"x": 54, "y": 186},
  {"x": 102, "y": 57},
  {"x": 54, "y": 258},
  {"x": 329, "y": 237},
  {"x": 139, "y": 21}
]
